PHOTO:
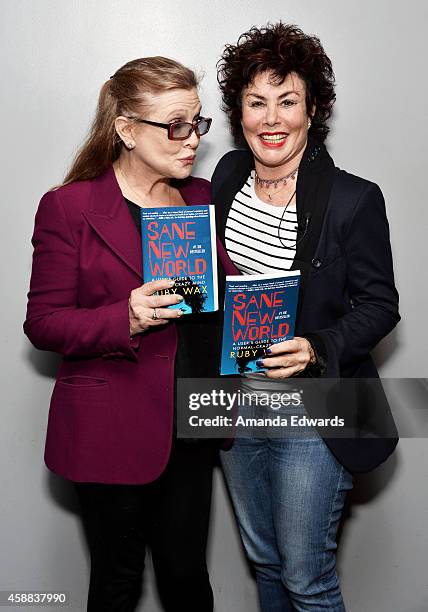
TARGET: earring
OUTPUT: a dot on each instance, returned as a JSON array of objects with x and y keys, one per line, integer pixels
[
  {"x": 129, "y": 145},
  {"x": 309, "y": 123}
]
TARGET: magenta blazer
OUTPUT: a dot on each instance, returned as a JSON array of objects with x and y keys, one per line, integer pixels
[{"x": 111, "y": 412}]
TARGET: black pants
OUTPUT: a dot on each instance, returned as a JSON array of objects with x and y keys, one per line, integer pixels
[{"x": 170, "y": 516}]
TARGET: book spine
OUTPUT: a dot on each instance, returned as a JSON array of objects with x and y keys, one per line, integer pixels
[{"x": 213, "y": 242}]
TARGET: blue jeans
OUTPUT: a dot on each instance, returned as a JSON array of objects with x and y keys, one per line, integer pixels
[{"x": 288, "y": 495}]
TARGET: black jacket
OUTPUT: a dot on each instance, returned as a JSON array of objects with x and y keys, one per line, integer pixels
[{"x": 348, "y": 298}]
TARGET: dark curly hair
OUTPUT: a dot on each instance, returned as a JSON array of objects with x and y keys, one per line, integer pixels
[{"x": 280, "y": 49}]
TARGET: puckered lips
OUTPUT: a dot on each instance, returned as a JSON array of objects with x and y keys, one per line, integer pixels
[
  {"x": 273, "y": 139},
  {"x": 187, "y": 161}
]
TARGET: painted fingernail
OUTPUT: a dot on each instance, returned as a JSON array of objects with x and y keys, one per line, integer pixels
[
  {"x": 180, "y": 312},
  {"x": 180, "y": 298},
  {"x": 259, "y": 363},
  {"x": 268, "y": 351}
]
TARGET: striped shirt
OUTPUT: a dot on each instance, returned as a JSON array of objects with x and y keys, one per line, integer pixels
[{"x": 260, "y": 237}]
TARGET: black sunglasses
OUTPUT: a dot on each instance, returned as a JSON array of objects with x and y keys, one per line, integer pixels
[{"x": 181, "y": 130}]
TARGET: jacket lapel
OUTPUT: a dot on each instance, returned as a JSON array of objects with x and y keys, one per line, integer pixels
[
  {"x": 226, "y": 182},
  {"x": 110, "y": 219}
]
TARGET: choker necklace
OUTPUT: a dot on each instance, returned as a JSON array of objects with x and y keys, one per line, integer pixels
[
  {"x": 276, "y": 182},
  {"x": 269, "y": 195}
]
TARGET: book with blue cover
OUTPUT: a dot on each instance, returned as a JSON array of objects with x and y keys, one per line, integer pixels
[
  {"x": 259, "y": 310},
  {"x": 179, "y": 243}
]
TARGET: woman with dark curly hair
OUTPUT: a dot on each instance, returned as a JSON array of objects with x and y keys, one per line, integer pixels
[{"x": 282, "y": 204}]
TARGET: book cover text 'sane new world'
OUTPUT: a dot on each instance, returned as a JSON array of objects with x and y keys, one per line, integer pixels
[
  {"x": 179, "y": 243},
  {"x": 259, "y": 310}
]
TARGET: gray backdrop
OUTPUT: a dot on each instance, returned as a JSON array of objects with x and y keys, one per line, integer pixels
[{"x": 55, "y": 56}]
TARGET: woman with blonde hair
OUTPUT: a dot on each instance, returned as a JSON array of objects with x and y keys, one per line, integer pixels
[{"x": 111, "y": 419}]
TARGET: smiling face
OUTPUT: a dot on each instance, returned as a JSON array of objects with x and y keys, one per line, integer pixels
[
  {"x": 155, "y": 154},
  {"x": 275, "y": 122}
]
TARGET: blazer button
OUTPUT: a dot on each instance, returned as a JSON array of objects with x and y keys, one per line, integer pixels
[{"x": 316, "y": 262}]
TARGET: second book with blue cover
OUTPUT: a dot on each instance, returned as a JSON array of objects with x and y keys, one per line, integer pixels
[{"x": 259, "y": 310}]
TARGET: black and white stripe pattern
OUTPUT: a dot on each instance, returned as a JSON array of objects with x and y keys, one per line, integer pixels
[{"x": 260, "y": 237}]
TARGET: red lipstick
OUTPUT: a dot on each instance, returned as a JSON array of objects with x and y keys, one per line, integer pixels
[{"x": 273, "y": 139}]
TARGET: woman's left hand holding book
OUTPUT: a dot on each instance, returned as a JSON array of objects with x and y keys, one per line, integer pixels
[{"x": 147, "y": 310}]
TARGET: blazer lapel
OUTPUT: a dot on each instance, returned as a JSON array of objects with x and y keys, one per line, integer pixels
[
  {"x": 226, "y": 185},
  {"x": 109, "y": 217}
]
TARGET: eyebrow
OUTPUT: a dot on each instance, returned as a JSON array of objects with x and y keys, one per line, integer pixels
[
  {"x": 182, "y": 111},
  {"x": 284, "y": 95}
]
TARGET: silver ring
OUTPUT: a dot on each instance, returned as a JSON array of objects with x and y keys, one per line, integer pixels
[{"x": 154, "y": 315}]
